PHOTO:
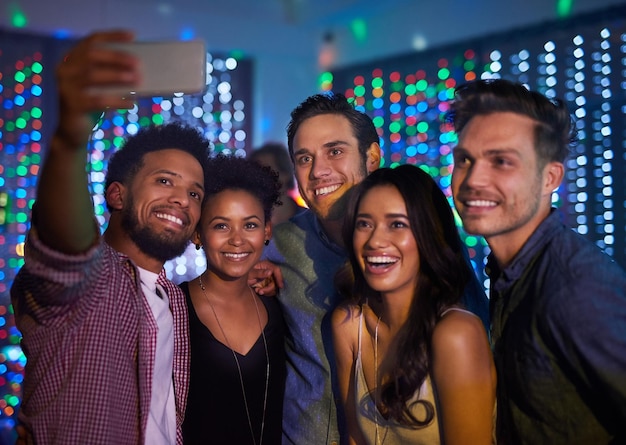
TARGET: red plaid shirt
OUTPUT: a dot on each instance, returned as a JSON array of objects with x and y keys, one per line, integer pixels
[{"x": 90, "y": 342}]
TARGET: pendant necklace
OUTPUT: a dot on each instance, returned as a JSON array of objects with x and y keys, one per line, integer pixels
[
  {"x": 267, "y": 359},
  {"x": 376, "y": 389}
]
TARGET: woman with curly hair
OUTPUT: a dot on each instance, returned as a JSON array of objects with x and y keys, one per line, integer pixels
[
  {"x": 413, "y": 367},
  {"x": 237, "y": 337}
]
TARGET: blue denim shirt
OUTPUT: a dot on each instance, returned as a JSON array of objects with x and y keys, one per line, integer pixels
[
  {"x": 559, "y": 341},
  {"x": 309, "y": 262}
]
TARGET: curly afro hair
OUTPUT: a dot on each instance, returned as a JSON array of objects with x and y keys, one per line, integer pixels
[
  {"x": 128, "y": 160},
  {"x": 235, "y": 173}
]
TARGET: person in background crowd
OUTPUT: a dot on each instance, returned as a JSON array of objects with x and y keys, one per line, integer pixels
[{"x": 275, "y": 156}]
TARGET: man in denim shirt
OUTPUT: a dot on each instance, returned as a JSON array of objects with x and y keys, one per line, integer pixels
[
  {"x": 333, "y": 147},
  {"x": 558, "y": 305}
]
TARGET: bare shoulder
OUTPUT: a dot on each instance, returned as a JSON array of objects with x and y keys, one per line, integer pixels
[
  {"x": 345, "y": 317},
  {"x": 459, "y": 329}
]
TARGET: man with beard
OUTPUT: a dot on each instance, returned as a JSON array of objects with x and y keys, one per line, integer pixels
[{"x": 104, "y": 331}]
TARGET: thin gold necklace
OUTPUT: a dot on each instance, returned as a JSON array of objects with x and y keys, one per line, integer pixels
[
  {"x": 267, "y": 360},
  {"x": 376, "y": 389}
]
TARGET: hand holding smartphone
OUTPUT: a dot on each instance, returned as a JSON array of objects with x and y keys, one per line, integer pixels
[{"x": 167, "y": 67}]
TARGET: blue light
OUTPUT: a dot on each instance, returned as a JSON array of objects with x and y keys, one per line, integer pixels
[
  {"x": 62, "y": 34},
  {"x": 187, "y": 34}
]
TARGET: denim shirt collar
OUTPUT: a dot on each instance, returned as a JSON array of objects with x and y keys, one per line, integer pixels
[
  {"x": 501, "y": 278},
  {"x": 319, "y": 229}
]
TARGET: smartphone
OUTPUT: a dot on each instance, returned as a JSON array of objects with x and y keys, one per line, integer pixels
[{"x": 167, "y": 67}]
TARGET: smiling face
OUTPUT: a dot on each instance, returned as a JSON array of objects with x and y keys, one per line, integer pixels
[
  {"x": 162, "y": 205},
  {"x": 499, "y": 189},
  {"x": 233, "y": 231},
  {"x": 384, "y": 243},
  {"x": 328, "y": 163}
]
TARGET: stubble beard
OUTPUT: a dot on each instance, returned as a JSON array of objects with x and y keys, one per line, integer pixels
[{"x": 160, "y": 246}]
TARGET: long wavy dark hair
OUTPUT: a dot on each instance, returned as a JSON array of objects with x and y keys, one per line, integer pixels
[{"x": 443, "y": 274}]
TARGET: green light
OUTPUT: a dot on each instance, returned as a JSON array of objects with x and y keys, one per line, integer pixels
[
  {"x": 36, "y": 112},
  {"x": 35, "y": 159},
  {"x": 10, "y": 126},
  {"x": 410, "y": 90},
  {"x": 359, "y": 91},
  {"x": 18, "y": 19},
  {"x": 471, "y": 241},
  {"x": 443, "y": 73},
  {"x": 377, "y": 82},
  {"x": 326, "y": 77},
  {"x": 564, "y": 8},
  {"x": 422, "y": 127},
  {"x": 359, "y": 29},
  {"x": 237, "y": 54},
  {"x": 37, "y": 67},
  {"x": 395, "y": 127},
  {"x": 157, "y": 119},
  {"x": 421, "y": 85},
  {"x": 397, "y": 86},
  {"x": 469, "y": 65},
  {"x": 20, "y": 123},
  {"x": 144, "y": 121},
  {"x": 118, "y": 141},
  {"x": 379, "y": 121},
  {"x": 411, "y": 131},
  {"x": 21, "y": 170},
  {"x": 13, "y": 263},
  {"x": 21, "y": 217},
  {"x": 394, "y": 165},
  {"x": 19, "y": 77}
]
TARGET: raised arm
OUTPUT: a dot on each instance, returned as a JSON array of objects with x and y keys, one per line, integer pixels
[
  {"x": 64, "y": 210},
  {"x": 465, "y": 379},
  {"x": 344, "y": 324}
]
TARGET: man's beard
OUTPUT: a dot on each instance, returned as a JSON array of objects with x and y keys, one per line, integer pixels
[{"x": 160, "y": 246}]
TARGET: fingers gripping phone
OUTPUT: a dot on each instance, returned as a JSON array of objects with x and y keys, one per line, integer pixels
[{"x": 167, "y": 67}]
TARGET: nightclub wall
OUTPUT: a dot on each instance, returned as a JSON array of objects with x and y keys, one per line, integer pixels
[{"x": 581, "y": 60}]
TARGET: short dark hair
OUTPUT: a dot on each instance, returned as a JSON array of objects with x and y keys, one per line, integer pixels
[
  {"x": 235, "y": 173},
  {"x": 128, "y": 160},
  {"x": 555, "y": 131},
  {"x": 281, "y": 156},
  {"x": 442, "y": 276},
  {"x": 363, "y": 128}
]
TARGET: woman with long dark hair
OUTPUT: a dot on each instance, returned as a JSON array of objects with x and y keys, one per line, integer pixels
[{"x": 413, "y": 366}]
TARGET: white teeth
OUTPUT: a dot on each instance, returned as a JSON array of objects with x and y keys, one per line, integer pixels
[
  {"x": 326, "y": 190},
  {"x": 381, "y": 260},
  {"x": 480, "y": 203},
  {"x": 236, "y": 256},
  {"x": 170, "y": 218}
]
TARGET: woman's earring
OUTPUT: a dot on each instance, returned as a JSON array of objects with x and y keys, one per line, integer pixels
[
  {"x": 198, "y": 246},
  {"x": 267, "y": 242}
]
